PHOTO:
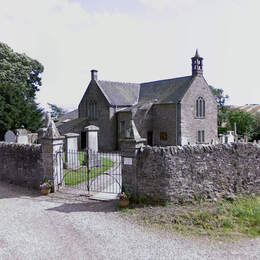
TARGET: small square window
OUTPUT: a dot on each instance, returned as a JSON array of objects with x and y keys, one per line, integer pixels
[{"x": 163, "y": 136}]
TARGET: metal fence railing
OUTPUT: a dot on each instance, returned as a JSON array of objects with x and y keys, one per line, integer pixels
[{"x": 92, "y": 171}]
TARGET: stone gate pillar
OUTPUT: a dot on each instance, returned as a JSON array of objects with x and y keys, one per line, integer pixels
[
  {"x": 71, "y": 150},
  {"x": 92, "y": 156},
  {"x": 92, "y": 137},
  {"x": 52, "y": 149},
  {"x": 52, "y": 159},
  {"x": 129, "y": 147}
]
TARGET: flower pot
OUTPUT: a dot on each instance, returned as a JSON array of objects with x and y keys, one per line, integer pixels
[
  {"x": 45, "y": 191},
  {"x": 123, "y": 203}
]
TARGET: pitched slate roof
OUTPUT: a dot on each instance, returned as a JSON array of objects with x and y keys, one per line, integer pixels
[
  {"x": 69, "y": 127},
  {"x": 119, "y": 93},
  {"x": 164, "y": 91},
  {"x": 67, "y": 117}
]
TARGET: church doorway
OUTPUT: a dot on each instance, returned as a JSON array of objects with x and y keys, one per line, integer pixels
[
  {"x": 150, "y": 138},
  {"x": 83, "y": 140}
]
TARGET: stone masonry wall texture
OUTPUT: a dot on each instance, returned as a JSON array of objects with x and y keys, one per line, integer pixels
[
  {"x": 21, "y": 164},
  {"x": 105, "y": 117},
  {"x": 190, "y": 172},
  {"x": 189, "y": 123}
]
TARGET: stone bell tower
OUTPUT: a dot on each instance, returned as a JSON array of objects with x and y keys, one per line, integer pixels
[{"x": 197, "y": 66}]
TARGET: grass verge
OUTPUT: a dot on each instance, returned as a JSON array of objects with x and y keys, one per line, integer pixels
[{"x": 234, "y": 219}]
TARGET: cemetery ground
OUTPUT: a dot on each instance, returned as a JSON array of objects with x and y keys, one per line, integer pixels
[
  {"x": 65, "y": 226},
  {"x": 76, "y": 176}
]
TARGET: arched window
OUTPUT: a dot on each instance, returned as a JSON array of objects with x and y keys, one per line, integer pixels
[
  {"x": 92, "y": 110},
  {"x": 200, "y": 107}
]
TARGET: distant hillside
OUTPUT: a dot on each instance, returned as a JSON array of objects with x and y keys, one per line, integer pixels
[{"x": 251, "y": 108}]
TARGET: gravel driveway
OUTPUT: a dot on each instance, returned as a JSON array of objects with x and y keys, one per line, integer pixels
[{"x": 63, "y": 226}]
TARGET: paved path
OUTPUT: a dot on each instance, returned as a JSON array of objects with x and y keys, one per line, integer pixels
[
  {"x": 66, "y": 226},
  {"x": 109, "y": 182}
]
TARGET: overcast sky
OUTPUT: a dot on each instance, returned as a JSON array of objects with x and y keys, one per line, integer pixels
[{"x": 136, "y": 41}]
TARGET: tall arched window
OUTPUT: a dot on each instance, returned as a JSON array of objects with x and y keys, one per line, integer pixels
[
  {"x": 92, "y": 110},
  {"x": 200, "y": 107}
]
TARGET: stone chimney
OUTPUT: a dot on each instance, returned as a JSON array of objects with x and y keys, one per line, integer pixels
[{"x": 94, "y": 75}]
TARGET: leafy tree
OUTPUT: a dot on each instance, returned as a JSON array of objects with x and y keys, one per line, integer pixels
[
  {"x": 245, "y": 121},
  {"x": 222, "y": 108},
  {"x": 56, "y": 111},
  {"x": 219, "y": 95},
  {"x": 256, "y": 132},
  {"x": 19, "y": 81}
]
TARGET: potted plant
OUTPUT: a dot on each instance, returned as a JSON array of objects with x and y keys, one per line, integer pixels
[
  {"x": 46, "y": 186},
  {"x": 124, "y": 199}
]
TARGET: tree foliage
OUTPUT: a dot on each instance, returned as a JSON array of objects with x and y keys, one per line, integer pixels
[
  {"x": 245, "y": 122},
  {"x": 227, "y": 117},
  {"x": 222, "y": 108},
  {"x": 56, "y": 111},
  {"x": 256, "y": 132},
  {"x": 19, "y": 81},
  {"x": 219, "y": 95}
]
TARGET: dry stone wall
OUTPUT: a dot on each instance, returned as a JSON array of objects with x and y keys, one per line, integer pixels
[
  {"x": 192, "y": 172},
  {"x": 21, "y": 164}
]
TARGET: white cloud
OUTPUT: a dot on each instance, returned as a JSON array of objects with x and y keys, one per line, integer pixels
[
  {"x": 162, "y": 5},
  {"x": 70, "y": 41}
]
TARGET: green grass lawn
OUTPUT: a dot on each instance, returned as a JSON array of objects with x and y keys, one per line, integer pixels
[
  {"x": 74, "y": 177},
  {"x": 222, "y": 219}
]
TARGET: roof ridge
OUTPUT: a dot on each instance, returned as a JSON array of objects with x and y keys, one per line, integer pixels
[
  {"x": 119, "y": 82},
  {"x": 166, "y": 79}
]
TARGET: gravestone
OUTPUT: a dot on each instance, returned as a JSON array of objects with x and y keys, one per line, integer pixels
[
  {"x": 32, "y": 138},
  {"x": 10, "y": 137},
  {"x": 22, "y": 136}
]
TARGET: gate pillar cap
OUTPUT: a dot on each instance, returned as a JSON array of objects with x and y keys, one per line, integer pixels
[
  {"x": 91, "y": 128},
  {"x": 71, "y": 135}
]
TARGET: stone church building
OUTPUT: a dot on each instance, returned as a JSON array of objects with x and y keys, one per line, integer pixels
[{"x": 175, "y": 111}]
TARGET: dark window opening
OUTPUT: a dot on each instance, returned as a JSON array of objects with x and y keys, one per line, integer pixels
[
  {"x": 201, "y": 136},
  {"x": 92, "y": 110},
  {"x": 150, "y": 138}
]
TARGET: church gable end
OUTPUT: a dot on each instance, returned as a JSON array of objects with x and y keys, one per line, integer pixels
[{"x": 198, "y": 114}]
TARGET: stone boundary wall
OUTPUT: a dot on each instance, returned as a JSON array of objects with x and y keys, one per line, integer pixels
[
  {"x": 191, "y": 172},
  {"x": 21, "y": 164}
]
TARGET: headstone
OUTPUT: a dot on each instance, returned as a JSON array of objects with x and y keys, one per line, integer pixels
[
  {"x": 221, "y": 139},
  {"x": 32, "y": 138},
  {"x": 22, "y": 139},
  {"x": 10, "y": 137},
  {"x": 21, "y": 131},
  {"x": 246, "y": 137},
  {"x": 22, "y": 136}
]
